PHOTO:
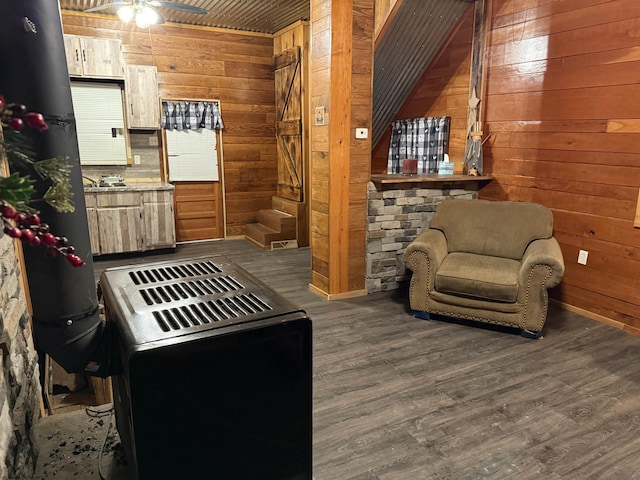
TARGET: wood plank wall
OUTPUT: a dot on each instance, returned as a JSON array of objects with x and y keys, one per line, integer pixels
[
  {"x": 442, "y": 90},
  {"x": 360, "y": 150},
  {"x": 342, "y": 66},
  {"x": 208, "y": 63},
  {"x": 563, "y": 111},
  {"x": 382, "y": 10},
  {"x": 320, "y": 98}
]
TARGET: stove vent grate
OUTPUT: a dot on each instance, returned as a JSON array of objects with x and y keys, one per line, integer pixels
[
  {"x": 221, "y": 309},
  {"x": 190, "y": 289},
  {"x": 173, "y": 272}
]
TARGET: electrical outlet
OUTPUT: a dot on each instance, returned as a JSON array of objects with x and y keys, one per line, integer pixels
[
  {"x": 136, "y": 159},
  {"x": 153, "y": 141},
  {"x": 582, "y": 257}
]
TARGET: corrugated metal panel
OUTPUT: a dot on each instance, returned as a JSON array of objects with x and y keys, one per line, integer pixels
[
  {"x": 415, "y": 36},
  {"x": 265, "y": 16}
]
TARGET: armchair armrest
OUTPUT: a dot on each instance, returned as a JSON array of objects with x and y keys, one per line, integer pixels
[
  {"x": 431, "y": 243},
  {"x": 423, "y": 256},
  {"x": 542, "y": 252}
]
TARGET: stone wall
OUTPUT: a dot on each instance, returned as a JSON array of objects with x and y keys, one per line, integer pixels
[
  {"x": 397, "y": 214},
  {"x": 19, "y": 381}
]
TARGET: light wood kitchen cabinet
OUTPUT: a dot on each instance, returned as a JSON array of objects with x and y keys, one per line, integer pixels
[
  {"x": 92, "y": 220},
  {"x": 141, "y": 94},
  {"x": 159, "y": 223},
  {"x": 119, "y": 215},
  {"x": 94, "y": 57},
  {"x": 123, "y": 221},
  {"x": 120, "y": 229}
]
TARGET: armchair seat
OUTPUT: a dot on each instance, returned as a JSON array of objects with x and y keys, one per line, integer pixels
[
  {"x": 486, "y": 261},
  {"x": 479, "y": 276}
]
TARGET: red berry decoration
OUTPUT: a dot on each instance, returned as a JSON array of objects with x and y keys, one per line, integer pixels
[
  {"x": 16, "y": 123},
  {"x": 16, "y": 222},
  {"x": 27, "y": 227},
  {"x": 48, "y": 239},
  {"x": 32, "y": 219},
  {"x": 8, "y": 211},
  {"x": 75, "y": 260},
  {"x": 27, "y": 235},
  {"x": 15, "y": 116},
  {"x": 36, "y": 120},
  {"x": 13, "y": 231}
]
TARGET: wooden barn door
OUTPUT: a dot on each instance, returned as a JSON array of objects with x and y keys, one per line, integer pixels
[{"x": 289, "y": 124}]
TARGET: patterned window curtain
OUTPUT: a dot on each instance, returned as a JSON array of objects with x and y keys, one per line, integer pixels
[
  {"x": 426, "y": 139},
  {"x": 185, "y": 115}
]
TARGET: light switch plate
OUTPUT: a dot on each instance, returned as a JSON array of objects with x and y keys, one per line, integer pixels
[{"x": 362, "y": 133}]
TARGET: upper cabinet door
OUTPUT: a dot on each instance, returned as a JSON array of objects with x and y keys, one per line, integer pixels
[
  {"x": 73, "y": 51},
  {"x": 98, "y": 57},
  {"x": 141, "y": 94}
]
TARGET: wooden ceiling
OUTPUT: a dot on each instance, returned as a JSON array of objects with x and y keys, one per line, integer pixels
[{"x": 266, "y": 16}]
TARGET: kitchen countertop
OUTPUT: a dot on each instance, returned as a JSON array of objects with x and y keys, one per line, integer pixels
[{"x": 133, "y": 187}]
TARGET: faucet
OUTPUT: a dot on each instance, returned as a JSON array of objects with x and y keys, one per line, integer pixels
[{"x": 92, "y": 183}]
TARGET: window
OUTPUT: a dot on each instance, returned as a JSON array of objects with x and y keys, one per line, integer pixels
[
  {"x": 100, "y": 123},
  {"x": 192, "y": 155}
]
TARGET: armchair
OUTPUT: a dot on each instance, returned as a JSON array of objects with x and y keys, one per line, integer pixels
[{"x": 486, "y": 261}]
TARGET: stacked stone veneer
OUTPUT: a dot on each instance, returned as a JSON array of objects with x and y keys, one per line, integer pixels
[
  {"x": 395, "y": 217},
  {"x": 19, "y": 384}
]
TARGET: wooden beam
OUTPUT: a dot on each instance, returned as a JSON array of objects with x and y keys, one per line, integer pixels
[
  {"x": 636, "y": 221},
  {"x": 339, "y": 143}
]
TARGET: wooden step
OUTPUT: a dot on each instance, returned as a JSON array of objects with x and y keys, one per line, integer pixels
[
  {"x": 262, "y": 235},
  {"x": 297, "y": 210},
  {"x": 285, "y": 205},
  {"x": 276, "y": 220}
]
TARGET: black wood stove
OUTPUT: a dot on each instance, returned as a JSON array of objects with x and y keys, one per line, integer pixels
[{"x": 216, "y": 372}]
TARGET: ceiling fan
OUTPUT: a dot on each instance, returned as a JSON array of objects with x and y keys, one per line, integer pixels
[{"x": 143, "y": 11}]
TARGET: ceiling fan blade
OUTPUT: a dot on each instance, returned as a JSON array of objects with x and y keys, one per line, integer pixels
[
  {"x": 106, "y": 6},
  {"x": 178, "y": 6}
]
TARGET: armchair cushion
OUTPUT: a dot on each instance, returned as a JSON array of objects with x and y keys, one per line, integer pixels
[
  {"x": 498, "y": 229},
  {"x": 479, "y": 276}
]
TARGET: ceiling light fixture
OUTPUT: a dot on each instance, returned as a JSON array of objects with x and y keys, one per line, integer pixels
[
  {"x": 144, "y": 15},
  {"x": 143, "y": 11}
]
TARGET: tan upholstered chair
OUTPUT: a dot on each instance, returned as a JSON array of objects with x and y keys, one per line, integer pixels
[{"x": 486, "y": 261}]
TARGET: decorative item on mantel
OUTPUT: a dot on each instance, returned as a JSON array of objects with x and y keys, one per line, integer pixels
[
  {"x": 472, "y": 164},
  {"x": 410, "y": 166},
  {"x": 445, "y": 167},
  {"x": 424, "y": 139}
]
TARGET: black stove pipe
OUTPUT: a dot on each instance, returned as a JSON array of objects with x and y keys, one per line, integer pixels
[{"x": 33, "y": 71}]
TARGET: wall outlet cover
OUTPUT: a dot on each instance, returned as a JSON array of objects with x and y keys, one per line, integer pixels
[{"x": 582, "y": 257}]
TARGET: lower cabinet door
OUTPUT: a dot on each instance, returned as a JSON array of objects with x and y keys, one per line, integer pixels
[
  {"x": 120, "y": 229},
  {"x": 158, "y": 219},
  {"x": 94, "y": 231}
]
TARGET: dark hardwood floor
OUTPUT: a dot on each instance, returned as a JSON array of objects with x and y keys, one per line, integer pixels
[{"x": 397, "y": 398}]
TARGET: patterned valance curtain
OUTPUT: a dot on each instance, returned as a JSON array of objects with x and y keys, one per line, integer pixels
[
  {"x": 185, "y": 115},
  {"x": 426, "y": 139}
]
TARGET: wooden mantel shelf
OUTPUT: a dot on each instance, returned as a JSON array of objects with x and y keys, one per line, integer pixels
[{"x": 399, "y": 181}]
